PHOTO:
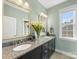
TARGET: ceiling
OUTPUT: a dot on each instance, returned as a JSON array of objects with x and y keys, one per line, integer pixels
[{"x": 50, "y": 3}]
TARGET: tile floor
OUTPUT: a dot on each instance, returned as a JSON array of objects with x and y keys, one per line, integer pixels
[{"x": 59, "y": 56}]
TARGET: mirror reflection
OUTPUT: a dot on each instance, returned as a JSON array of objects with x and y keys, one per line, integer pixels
[{"x": 17, "y": 18}]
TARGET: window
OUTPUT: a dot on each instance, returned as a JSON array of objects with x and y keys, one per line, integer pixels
[{"x": 68, "y": 22}]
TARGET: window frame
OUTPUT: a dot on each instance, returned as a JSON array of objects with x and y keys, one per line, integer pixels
[{"x": 69, "y": 8}]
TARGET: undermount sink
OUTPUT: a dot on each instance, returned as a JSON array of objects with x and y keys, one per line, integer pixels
[
  {"x": 22, "y": 47},
  {"x": 46, "y": 37}
]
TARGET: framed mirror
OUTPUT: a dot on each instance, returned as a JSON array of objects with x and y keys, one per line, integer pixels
[
  {"x": 15, "y": 21},
  {"x": 44, "y": 19}
]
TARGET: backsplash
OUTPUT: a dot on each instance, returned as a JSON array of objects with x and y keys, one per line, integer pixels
[{"x": 17, "y": 41}]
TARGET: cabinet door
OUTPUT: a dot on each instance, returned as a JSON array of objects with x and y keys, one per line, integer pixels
[
  {"x": 51, "y": 47},
  {"x": 34, "y": 54},
  {"x": 25, "y": 56},
  {"x": 45, "y": 51}
]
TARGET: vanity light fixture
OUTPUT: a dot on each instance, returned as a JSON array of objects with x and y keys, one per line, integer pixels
[
  {"x": 21, "y": 3},
  {"x": 17, "y": 2},
  {"x": 26, "y": 5},
  {"x": 43, "y": 14}
]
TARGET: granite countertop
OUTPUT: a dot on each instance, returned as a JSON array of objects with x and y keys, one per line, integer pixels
[{"x": 8, "y": 52}]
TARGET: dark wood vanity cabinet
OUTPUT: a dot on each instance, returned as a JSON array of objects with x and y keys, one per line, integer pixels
[
  {"x": 45, "y": 51},
  {"x": 48, "y": 49},
  {"x": 42, "y": 52},
  {"x": 51, "y": 47},
  {"x": 34, "y": 54}
]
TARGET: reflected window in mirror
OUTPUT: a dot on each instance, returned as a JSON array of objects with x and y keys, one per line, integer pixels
[{"x": 25, "y": 27}]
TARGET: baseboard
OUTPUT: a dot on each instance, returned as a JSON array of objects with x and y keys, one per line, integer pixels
[{"x": 66, "y": 53}]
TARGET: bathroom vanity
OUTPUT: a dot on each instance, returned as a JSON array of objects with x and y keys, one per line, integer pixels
[
  {"x": 41, "y": 48},
  {"x": 43, "y": 51}
]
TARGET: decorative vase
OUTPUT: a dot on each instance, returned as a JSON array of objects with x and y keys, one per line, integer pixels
[
  {"x": 37, "y": 26},
  {"x": 37, "y": 35}
]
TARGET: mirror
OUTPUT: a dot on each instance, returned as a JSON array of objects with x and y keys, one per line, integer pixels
[
  {"x": 44, "y": 19},
  {"x": 15, "y": 20},
  {"x": 19, "y": 18}
]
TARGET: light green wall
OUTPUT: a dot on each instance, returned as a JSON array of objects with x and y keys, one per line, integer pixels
[
  {"x": 61, "y": 44},
  {"x": 20, "y": 15},
  {"x": 37, "y": 8}
]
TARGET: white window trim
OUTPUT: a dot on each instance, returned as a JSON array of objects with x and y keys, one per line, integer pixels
[
  {"x": 25, "y": 19},
  {"x": 72, "y": 7}
]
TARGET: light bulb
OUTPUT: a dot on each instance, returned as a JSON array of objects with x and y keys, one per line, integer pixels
[
  {"x": 26, "y": 5},
  {"x": 19, "y": 2},
  {"x": 44, "y": 15}
]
